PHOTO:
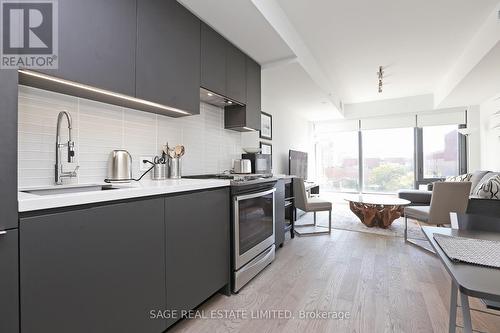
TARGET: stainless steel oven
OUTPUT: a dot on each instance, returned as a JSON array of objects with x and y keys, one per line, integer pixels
[{"x": 253, "y": 228}]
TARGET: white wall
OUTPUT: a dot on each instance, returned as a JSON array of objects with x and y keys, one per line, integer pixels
[
  {"x": 99, "y": 128},
  {"x": 290, "y": 129},
  {"x": 474, "y": 139},
  {"x": 490, "y": 138},
  {"x": 289, "y": 132}
]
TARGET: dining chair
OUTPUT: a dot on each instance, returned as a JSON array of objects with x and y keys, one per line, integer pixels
[
  {"x": 307, "y": 204},
  {"x": 446, "y": 197}
]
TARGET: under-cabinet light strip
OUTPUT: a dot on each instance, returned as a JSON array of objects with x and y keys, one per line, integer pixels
[{"x": 101, "y": 91}]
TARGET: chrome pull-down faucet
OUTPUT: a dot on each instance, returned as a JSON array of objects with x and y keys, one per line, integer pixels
[{"x": 59, "y": 173}]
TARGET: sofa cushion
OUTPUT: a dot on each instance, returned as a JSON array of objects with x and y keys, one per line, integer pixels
[
  {"x": 466, "y": 177},
  {"x": 476, "y": 178},
  {"x": 487, "y": 176},
  {"x": 416, "y": 196},
  {"x": 489, "y": 188}
]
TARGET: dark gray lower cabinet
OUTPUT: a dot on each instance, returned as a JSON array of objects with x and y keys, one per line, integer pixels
[
  {"x": 9, "y": 282},
  {"x": 98, "y": 269},
  {"x": 197, "y": 228},
  {"x": 279, "y": 213}
]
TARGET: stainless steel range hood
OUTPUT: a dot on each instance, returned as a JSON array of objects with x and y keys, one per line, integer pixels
[{"x": 213, "y": 98}]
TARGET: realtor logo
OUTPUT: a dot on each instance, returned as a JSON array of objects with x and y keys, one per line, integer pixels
[{"x": 29, "y": 34}]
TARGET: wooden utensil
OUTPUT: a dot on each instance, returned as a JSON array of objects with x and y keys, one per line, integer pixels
[{"x": 179, "y": 151}]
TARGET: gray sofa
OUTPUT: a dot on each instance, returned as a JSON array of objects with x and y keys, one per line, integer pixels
[{"x": 476, "y": 205}]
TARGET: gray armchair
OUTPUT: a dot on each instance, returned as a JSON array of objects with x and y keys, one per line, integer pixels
[{"x": 446, "y": 197}]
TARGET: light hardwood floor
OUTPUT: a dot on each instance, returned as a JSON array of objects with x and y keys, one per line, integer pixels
[{"x": 386, "y": 285}]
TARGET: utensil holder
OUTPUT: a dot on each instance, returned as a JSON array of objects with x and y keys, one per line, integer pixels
[
  {"x": 160, "y": 172},
  {"x": 175, "y": 168}
]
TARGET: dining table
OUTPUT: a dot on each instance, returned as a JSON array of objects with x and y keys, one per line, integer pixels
[{"x": 467, "y": 280}]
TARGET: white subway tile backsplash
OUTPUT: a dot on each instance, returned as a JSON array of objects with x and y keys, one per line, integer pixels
[{"x": 99, "y": 128}]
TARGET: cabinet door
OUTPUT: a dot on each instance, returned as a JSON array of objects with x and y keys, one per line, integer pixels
[
  {"x": 279, "y": 213},
  {"x": 197, "y": 228},
  {"x": 97, "y": 41},
  {"x": 99, "y": 269},
  {"x": 242, "y": 117},
  {"x": 168, "y": 55},
  {"x": 9, "y": 282},
  {"x": 235, "y": 74},
  {"x": 253, "y": 106},
  {"x": 213, "y": 60},
  {"x": 8, "y": 148}
]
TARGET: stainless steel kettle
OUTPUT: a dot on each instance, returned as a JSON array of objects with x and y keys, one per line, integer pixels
[
  {"x": 120, "y": 166},
  {"x": 242, "y": 166}
]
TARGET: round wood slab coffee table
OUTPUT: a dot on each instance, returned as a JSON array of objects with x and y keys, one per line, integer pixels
[{"x": 376, "y": 210}]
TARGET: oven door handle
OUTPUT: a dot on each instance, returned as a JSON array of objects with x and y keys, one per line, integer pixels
[{"x": 254, "y": 195}]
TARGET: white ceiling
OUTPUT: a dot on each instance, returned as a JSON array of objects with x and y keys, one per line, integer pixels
[
  {"x": 480, "y": 84},
  {"x": 300, "y": 91},
  {"x": 417, "y": 42}
]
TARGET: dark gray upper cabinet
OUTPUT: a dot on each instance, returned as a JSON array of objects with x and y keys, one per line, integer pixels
[
  {"x": 97, "y": 41},
  {"x": 235, "y": 74},
  {"x": 9, "y": 282},
  {"x": 99, "y": 269},
  {"x": 213, "y": 60},
  {"x": 168, "y": 55},
  {"x": 241, "y": 118},
  {"x": 254, "y": 105},
  {"x": 8, "y": 148},
  {"x": 197, "y": 244}
]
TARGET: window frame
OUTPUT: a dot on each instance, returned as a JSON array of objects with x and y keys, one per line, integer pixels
[{"x": 419, "y": 157}]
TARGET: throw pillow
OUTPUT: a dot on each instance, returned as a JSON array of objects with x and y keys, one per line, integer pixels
[
  {"x": 488, "y": 189},
  {"x": 466, "y": 177}
]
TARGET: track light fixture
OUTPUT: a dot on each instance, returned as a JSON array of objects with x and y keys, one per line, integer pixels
[{"x": 380, "y": 75}]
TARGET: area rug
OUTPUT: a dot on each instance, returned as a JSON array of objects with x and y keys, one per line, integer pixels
[{"x": 343, "y": 218}]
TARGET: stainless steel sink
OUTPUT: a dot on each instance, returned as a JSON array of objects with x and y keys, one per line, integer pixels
[{"x": 71, "y": 189}]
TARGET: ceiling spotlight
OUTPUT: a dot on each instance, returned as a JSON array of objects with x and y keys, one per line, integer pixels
[
  {"x": 380, "y": 75},
  {"x": 229, "y": 102},
  {"x": 210, "y": 94}
]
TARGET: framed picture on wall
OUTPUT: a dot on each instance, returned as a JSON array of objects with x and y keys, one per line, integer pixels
[
  {"x": 266, "y": 126},
  {"x": 267, "y": 148}
]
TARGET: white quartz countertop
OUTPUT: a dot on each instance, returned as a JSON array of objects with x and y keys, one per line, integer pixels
[{"x": 32, "y": 202}]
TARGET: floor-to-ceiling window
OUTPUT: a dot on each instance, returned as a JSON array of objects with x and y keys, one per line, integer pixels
[
  {"x": 338, "y": 162},
  {"x": 388, "y": 163},
  {"x": 384, "y": 155}
]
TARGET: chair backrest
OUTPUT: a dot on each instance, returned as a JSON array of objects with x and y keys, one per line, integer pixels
[
  {"x": 299, "y": 193},
  {"x": 448, "y": 197},
  {"x": 478, "y": 222}
]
